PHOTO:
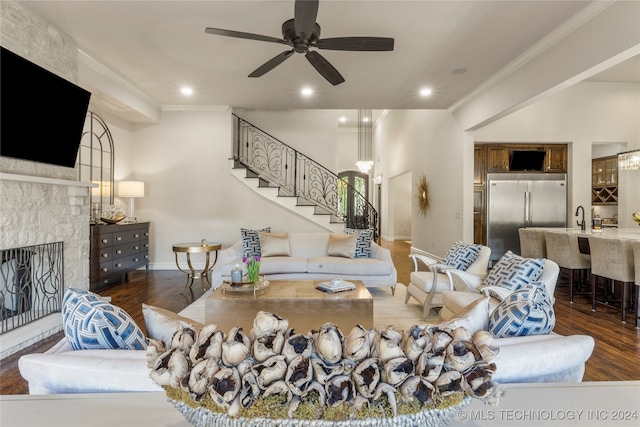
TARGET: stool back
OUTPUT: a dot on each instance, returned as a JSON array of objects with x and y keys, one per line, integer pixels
[
  {"x": 612, "y": 258},
  {"x": 532, "y": 243},
  {"x": 564, "y": 250},
  {"x": 636, "y": 257}
]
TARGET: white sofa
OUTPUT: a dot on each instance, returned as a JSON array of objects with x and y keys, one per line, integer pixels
[
  {"x": 309, "y": 261},
  {"x": 539, "y": 358},
  {"x": 525, "y": 359}
]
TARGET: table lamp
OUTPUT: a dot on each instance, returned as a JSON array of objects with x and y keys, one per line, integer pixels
[{"x": 132, "y": 190}]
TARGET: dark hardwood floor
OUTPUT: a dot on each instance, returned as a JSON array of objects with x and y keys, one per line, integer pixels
[{"x": 616, "y": 355}]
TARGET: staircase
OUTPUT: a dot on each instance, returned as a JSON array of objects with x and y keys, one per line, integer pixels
[{"x": 282, "y": 174}]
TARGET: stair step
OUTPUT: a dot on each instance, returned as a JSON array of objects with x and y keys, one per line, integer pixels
[{"x": 279, "y": 195}]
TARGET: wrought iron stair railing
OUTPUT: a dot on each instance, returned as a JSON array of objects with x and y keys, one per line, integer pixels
[{"x": 297, "y": 175}]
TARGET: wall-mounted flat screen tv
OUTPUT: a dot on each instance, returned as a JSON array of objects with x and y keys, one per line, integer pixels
[
  {"x": 41, "y": 114},
  {"x": 527, "y": 160}
]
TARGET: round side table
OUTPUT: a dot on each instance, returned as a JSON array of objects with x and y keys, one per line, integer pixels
[{"x": 197, "y": 247}]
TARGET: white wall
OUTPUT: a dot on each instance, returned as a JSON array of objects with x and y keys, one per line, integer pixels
[
  {"x": 424, "y": 142},
  {"x": 347, "y": 149},
  {"x": 190, "y": 192},
  {"x": 313, "y": 132},
  {"x": 581, "y": 115}
]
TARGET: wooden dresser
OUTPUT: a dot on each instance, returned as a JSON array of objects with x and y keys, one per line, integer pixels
[{"x": 117, "y": 249}]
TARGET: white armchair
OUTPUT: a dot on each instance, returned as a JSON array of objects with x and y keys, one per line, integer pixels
[
  {"x": 427, "y": 286},
  {"x": 453, "y": 302}
]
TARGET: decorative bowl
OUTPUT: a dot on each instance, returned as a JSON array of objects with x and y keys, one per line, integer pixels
[
  {"x": 111, "y": 220},
  {"x": 202, "y": 417}
]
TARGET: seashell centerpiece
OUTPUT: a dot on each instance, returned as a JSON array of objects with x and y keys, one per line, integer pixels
[{"x": 276, "y": 376}]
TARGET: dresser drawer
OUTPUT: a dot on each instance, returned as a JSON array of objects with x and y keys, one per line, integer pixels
[
  {"x": 117, "y": 249},
  {"x": 126, "y": 236},
  {"x": 127, "y": 249}
]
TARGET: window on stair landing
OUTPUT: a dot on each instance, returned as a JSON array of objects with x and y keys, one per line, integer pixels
[{"x": 353, "y": 191}]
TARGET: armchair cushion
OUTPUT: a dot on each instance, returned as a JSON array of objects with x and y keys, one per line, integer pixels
[
  {"x": 527, "y": 311},
  {"x": 251, "y": 241},
  {"x": 513, "y": 271},
  {"x": 461, "y": 255}
]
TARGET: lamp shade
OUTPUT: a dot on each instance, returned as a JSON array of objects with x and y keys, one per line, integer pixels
[{"x": 130, "y": 189}]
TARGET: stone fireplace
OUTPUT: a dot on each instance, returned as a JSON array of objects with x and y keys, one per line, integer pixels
[{"x": 41, "y": 203}]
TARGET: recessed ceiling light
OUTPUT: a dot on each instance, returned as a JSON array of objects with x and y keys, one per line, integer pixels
[
  {"x": 425, "y": 91},
  {"x": 342, "y": 119},
  {"x": 186, "y": 90},
  {"x": 365, "y": 119},
  {"x": 307, "y": 91}
]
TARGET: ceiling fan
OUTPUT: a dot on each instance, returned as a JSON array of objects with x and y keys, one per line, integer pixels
[{"x": 303, "y": 33}]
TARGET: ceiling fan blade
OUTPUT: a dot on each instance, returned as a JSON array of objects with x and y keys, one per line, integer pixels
[
  {"x": 272, "y": 63},
  {"x": 306, "y": 12},
  {"x": 371, "y": 44},
  {"x": 241, "y": 35},
  {"x": 325, "y": 68}
]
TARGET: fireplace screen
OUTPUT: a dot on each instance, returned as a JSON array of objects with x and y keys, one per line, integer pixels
[{"x": 31, "y": 283}]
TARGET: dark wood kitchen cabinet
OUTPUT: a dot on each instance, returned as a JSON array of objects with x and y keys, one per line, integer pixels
[{"x": 115, "y": 250}]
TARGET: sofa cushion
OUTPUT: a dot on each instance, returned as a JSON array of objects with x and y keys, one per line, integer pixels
[
  {"x": 363, "y": 245},
  {"x": 308, "y": 245},
  {"x": 461, "y": 255},
  {"x": 161, "y": 324},
  {"x": 456, "y": 301},
  {"x": 474, "y": 317},
  {"x": 527, "y": 311},
  {"x": 513, "y": 271},
  {"x": 346, "y": 266},
  {"x": 251, "y": 241},
  {"x": 343, "y": 245},
  {"x": 282, "y": 264},
  {"x": 274, "y": 244},
  {"x": 91, "y": 323}
]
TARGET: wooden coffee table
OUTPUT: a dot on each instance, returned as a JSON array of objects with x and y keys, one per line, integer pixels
[{"x": 298, "y": 300}]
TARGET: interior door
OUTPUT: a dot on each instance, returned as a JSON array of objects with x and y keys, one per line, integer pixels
[{"x": 353, "y": 191}]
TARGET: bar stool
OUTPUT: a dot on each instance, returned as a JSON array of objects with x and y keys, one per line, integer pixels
[
  {"x": 532, "y": 243},
  {"x": 611, "y": 259},
  {"x": 636, "y": 257},
  {"x": 563, "y": 248}
]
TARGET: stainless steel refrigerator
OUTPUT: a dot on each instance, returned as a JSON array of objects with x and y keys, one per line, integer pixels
[{"x": 522, "y": 200}]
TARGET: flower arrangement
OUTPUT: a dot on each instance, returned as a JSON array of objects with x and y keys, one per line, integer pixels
[
  {"x": 113, "y": 214},
  {"x": 321, "y": 378},
  {"x": 636, "y": 217},
  {"x": 253, "y": 268}
]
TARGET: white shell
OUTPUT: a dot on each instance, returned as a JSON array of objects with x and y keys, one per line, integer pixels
[
  {"x": 357, "y": 344},
  {"x": 397, "y": 370},
  {"x": 225, "y": 385},
  {"x": 236, "y": 348},
  {"x": 271, "y": 370},
  {"x": 329, "y": 343},
  {"x": 267, "y": 323}
]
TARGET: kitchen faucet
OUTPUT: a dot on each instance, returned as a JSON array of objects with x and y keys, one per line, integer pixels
[{"x": 581, "y": 223}]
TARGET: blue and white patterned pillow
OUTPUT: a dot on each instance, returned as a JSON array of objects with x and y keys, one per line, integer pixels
[
  {"x": 513, "y": 271},
  {"x": 251, "y": 241},
  {"x": 90, "y": 323},
  {"x": 527, "y": 311},
  {"x": 363, "y": 244},
  {"x": 461, "y": 255}
]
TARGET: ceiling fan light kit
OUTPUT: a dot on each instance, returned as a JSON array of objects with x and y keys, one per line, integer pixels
[{"x": 302, "y": 33}]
